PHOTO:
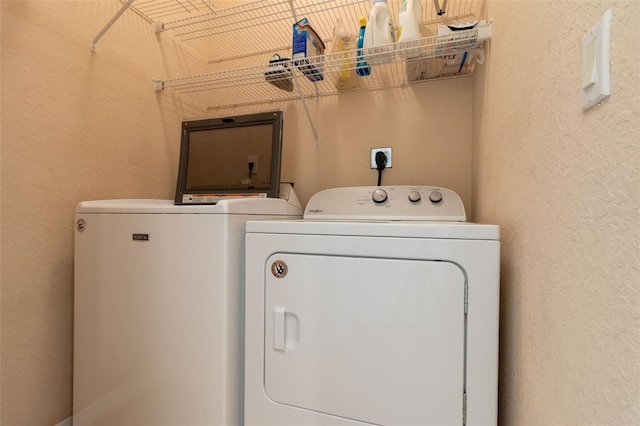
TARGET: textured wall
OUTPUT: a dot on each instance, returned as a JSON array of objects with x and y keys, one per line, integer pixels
[
  {"x": 564, "y": 187},
  {"x": 562, "y": 184},
  {"x": 428, "y": 125},
  {"x": 78, "y": 126},
  {"x": 75, "y": 125}
]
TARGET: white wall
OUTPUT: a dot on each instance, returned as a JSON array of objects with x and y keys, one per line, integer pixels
[{"x": 564, "y": 187}]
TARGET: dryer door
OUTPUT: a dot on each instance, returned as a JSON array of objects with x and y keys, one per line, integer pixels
[{"x": 374, "y": 340}]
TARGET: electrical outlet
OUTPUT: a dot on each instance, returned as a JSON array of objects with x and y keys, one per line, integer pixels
[
  {"x": 253, "y": 159},
  {"x": 387, "y": 152}
]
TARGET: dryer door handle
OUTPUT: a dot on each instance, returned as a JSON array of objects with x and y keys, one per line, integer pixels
[
  {"x": 286, "y": 329},
  {"x": 279, "y": 328}
]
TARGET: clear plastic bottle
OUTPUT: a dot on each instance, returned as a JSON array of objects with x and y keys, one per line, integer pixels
[
  {"x": 379, "y": 35},
  {"x": 343, "y": 44}
]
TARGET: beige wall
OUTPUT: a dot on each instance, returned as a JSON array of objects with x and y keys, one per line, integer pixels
[
  {"x": 564, "y": 187},
  {"x": 562, "y": 184},
  {"x": 78, "y": 125},
  {"x": 75, "y": 125},
  {"x": 428, "y": 125}
]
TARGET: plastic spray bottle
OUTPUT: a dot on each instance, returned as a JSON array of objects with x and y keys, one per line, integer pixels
[{"x": 362, "y": 68}]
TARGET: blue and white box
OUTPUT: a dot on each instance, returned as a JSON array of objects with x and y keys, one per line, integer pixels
[{"x": 308, "y": 50}]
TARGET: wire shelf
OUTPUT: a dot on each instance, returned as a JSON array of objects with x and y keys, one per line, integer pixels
[
  {"x": 259, "y": 27},
  {"x": 434, "y": 57},
  {"x": 211, "y": 34},
  {"x": 154, "y": 10},
  {"x": 234, "y": 40}
]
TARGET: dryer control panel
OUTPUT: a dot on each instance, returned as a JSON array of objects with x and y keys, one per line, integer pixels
[{"x": 418, "y": 203}]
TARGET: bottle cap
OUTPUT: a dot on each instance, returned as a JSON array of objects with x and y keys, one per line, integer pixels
[{"x": 363, "y": 21}]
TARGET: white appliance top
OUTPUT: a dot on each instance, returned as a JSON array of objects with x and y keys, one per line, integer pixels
[
  {"x": 412, "y": 229},
  {"x": 407, "y": 212},
  {"x": 286, "y": 205},
  {"x": 406, "y": 203}
]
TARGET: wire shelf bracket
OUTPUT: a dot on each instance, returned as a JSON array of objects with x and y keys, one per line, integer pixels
[{"x": 109, "y": 24}]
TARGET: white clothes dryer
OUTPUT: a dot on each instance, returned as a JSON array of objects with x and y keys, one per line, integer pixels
[{"x": 380, "y": 307}]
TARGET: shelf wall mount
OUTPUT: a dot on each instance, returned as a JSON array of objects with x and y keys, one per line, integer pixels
[{"x": 109, "y": 24}]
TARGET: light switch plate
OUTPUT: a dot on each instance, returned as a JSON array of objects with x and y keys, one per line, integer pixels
[{"x": 595, "y": 73}]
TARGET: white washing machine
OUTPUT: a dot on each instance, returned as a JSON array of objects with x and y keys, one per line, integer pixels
[
  {"x": 158, "y": 319},
  {"x": 380, "y": 307}
]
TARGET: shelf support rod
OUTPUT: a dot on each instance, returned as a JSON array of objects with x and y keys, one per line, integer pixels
[
  {"x": 109, "y": 24},
  {"x": 293, "y": 11},
  {"x": 306, "y": 110},
  {"x": 295, "y": 79},
  {"x": 480, "y": 59}
]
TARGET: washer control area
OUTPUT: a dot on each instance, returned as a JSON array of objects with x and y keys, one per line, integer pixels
[
  {"x": 415, "y": 196},
  {"x": 420, "y": 203}
]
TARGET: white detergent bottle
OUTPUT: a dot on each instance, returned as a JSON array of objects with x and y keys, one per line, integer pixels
[
  {"x": 409, "y": 18},
  {"x": 379, "y": 35}
]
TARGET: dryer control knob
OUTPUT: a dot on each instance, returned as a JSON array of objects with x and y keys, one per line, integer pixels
[
  {"x": 379, "y": 196},
  {"x": 435, "y": 197},
  {"x": 414, "y": 196}
]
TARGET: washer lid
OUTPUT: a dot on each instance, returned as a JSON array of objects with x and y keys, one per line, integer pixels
[
  {"x": 414, "y": 203},
  {"x": 287, "y": 205},
  {"x": 244, "y": 206}
]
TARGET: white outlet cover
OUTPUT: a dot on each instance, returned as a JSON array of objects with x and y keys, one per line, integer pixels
[
  {"x": 595, "y": 71},
  {"x": 388, "y": 152}
]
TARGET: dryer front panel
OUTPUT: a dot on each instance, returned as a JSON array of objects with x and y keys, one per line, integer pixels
[{"x": 369, "y": 339}]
